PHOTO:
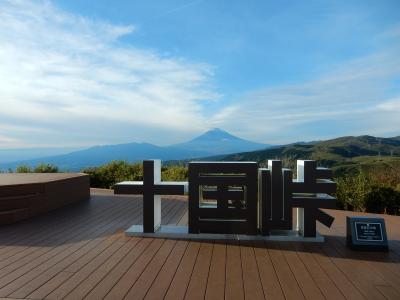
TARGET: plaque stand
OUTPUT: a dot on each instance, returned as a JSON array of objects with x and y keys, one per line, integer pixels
[{"x": 366, "y": 234}]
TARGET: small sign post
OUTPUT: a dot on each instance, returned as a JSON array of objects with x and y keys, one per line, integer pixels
[{"x": 366, "y": 233}]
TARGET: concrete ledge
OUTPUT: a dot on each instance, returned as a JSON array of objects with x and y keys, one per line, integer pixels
[{"x": 181, "y": 232}]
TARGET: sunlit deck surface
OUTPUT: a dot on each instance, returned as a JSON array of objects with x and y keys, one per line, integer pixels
[
  {"x": 33, "y": 178},
  {"x": 80, "y": 251}
]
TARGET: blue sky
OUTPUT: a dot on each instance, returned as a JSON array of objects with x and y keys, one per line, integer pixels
[{"x": 76, "y": 72}]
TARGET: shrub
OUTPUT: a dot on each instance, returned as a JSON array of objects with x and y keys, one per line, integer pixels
[
  {"x": 108, "y": 175},
  {"x": 46, "y": 168},
  {"x": 23, "y": 169},
  {"x": 41, "y": 168},
  {"x": 174, "y": 173},
  {"x": 382, "y": 199},
  {"x": 376, "y": 192},
  {"x": 351, "y": 192}
]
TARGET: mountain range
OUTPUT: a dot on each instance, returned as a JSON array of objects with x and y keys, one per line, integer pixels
[
  {"x": 341, "y": 153},
  {"x": 212, "y": 142},
  {"x": 344, "y": 154},
  {"x": 329, "y": 151}
]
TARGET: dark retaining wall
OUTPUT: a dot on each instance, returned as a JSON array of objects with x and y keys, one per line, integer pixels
[{"x": 26, "y": 195}]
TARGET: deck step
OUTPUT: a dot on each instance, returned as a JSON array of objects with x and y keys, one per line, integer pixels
[
  {"x": 17, "y": 202},
  {"x": 13, "y": 215}
]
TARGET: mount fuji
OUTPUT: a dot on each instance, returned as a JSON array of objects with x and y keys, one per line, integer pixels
[{"x": 210, "y": 143}]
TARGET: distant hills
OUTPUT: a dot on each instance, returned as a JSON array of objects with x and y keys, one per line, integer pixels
[
  {"x": 342, "y": 154},
  {"x": 11, "y": 155},
  {"x": 329, "y": 151},
  {"x": 213, "y": 142}
]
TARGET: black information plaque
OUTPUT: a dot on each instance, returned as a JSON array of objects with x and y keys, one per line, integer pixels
[{"x": 366, "y": 233}]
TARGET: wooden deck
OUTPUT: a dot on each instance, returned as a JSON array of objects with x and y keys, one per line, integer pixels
[{"x": 81, "y": 251}]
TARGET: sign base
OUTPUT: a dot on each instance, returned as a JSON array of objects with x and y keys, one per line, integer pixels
[{"x": 181, "y": 232}]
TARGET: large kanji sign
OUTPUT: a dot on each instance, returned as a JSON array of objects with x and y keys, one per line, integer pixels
[
  {"x": 223, "y": 197},
  {"x": 240, "y": 198}
]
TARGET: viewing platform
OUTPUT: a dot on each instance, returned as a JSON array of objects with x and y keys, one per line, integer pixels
[{"x": 80, "y": 251}]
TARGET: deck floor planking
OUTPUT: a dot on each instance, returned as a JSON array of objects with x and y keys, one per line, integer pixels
[{"x": 81, "y": 252}]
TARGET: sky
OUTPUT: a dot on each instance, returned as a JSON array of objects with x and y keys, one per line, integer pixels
[{"x": 77, "y": 73}]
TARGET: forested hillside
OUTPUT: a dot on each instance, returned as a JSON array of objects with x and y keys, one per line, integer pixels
[{"x": 344, "y": 154}]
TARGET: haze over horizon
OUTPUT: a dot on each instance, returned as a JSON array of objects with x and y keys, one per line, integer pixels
[{"x": 80, "y": 73}]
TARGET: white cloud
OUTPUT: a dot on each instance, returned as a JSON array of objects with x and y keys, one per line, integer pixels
[
  {"x": 391, "y": 105},
  {"x": 67, "y": 80},
  {"x": 357, "y": 93},
  {"x": 71, "y": 75},
  {"x": 6, "y": 141}
]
